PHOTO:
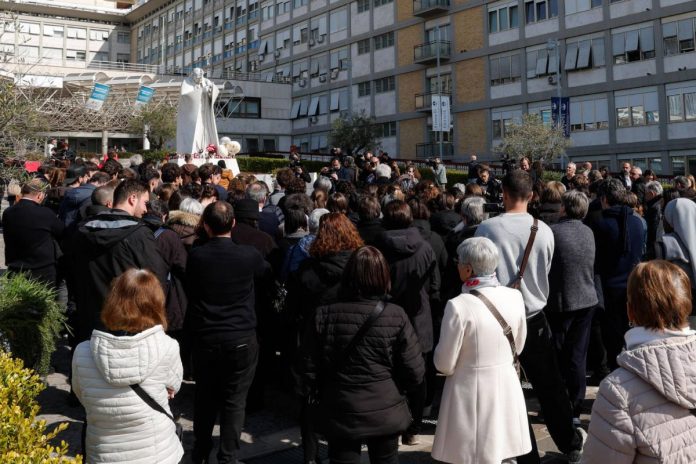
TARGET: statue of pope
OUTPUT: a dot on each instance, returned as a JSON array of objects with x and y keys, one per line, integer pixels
[{"x": 195, "y": 122}]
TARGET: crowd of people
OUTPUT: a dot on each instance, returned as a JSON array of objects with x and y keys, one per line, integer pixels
[{"x": 373, "y": 294}]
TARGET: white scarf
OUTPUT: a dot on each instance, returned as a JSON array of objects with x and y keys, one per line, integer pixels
[{"x": 478, "y": 282}]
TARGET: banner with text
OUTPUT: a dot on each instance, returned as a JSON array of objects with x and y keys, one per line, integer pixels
[
  {"x": 560, "y": 114},
  {"x": 100, "y": 92},
  {"x": 437, "y": 112},
  {"x": 144, "y": 95}
]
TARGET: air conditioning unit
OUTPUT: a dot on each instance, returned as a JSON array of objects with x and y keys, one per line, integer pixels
[
  {"x": 261, "y": 58},
  {"x": 552, "y": 80},
  {"x": 276, "y": 53},
  {"x": 311, "y": 42},
  {"x": 320, "y": 39},
  {"x": 302, "y": 82},
  {"x": 322, "y": 78},
  {"x": 334, "y": 74},
  {"x": 313, "y": 120}
]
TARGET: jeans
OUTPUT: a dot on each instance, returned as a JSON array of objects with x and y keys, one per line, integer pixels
[
  {"x": 571, "y": 334},
  {"x": 382, "y": 450},
  {"x": 540, "y": 364},
  {"x": 223, "y": 373}
]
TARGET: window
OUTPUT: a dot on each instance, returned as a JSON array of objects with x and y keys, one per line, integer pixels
[
  {"x": 75, "y": 55},
  {"x": 363, "y": 5},
  {"x": 30, "y": 28},
  {"x": 57, "y": 31},
  {"x": 122, "y": 57},
  {"x": 503, "y": 18},
  {"x": 387, "y": 129},
  {"x": 53, "y": 53},
  {"x": 123, "y": 37},
  {"x": 382, "y": 2},
  {"x": 541, "y": 63},
  {"x": 577, "y": 6},
  {"x": 364, "y": 89},
  {"x": 431, "y": 84},
  {"x": 540, "y": 10},
  {"x": 384, "y": 41},
  {"x": 386, "y": 84},
  {"x": 298, "y": 3},
  {"x": 101, "y": 56},
  {"x": 588, "y": 115},
  {"x": 248, "y": 108},
  {"x": 682, "y": 107},
  {"x": 637, "y": 109},
  {"x": 338, "y": 20},
  {"x": 363, "y": 46},
  {"x": 98, "y": 35},
  {"x": 634, "y": 45},
  {"x": 584, "y": 54},
  {"x": 502, "y": 120},
  {"x": 282, "y": 8},
  {"x": 505, "y": 69},
  {"x": 679, "y": 36},
  {"x": 26, "y": 51},
  {"x": 339, "y": 59},
  {"x": 267, "y": 12}
]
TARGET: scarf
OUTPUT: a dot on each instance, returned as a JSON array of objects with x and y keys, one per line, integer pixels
[{"x": 478, "y": 282}]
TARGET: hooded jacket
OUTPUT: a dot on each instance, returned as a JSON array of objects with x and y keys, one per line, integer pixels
[
  {"x": 72, "y": 201},
  {"x": 104, "y": 247},
  {"x": 414, "y": 277},
  {"x": 184, "y": 224},
  {"x": 317, "y": 281},
  {"x": 121, "y": 426},
  {"x": 642, "y": 411}
]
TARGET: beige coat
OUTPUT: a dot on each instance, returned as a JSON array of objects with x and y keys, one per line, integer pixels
[
  {"x": 641, "y": 414},
  {"x": 483, "y": 416}
]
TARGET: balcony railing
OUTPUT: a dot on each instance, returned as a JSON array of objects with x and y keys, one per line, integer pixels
[
  {"x": 432, "y": 150},
  {"x": 424, "y": 100},
  {"x": 428, "y": 52},
  {"x": 428, "y": 7}
]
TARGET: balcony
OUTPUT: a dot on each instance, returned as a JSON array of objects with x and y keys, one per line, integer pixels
[
  {"x": 428, "y": 52},
  {"x": 432, "y": 150},
  {"x": 424, "y": 100},
  {"x": 430, "y": 7}
]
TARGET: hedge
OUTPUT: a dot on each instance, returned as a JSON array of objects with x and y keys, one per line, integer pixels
[{"x": 23, "y": 438}]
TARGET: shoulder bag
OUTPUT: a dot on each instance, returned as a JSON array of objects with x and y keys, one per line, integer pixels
[
  {"x": 507, "y": 330},
  {"x": 517, "y": 283},
  {"x": 157, "y": 407}
]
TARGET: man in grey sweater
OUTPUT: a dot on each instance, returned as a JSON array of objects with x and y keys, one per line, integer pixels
[{"x": 510, "y": 232}]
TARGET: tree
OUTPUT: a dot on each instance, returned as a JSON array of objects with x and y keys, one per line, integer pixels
[
  {"x": 355, "y": 133},
  {"x": 161, "y": 122},
  {"x": 533, "y": 139}
]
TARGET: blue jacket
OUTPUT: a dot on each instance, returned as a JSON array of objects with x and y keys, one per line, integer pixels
[
  {"x": 620, "y": 239},
  {"x": 74, "y": 198}
]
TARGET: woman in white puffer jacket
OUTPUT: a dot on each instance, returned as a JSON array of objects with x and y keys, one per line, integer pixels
[{"x": 134, "y": 349}]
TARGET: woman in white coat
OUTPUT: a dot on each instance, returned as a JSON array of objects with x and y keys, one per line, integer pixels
[
  {"x": 121, "y": 427},
  {"x": 483, "y": 416}
]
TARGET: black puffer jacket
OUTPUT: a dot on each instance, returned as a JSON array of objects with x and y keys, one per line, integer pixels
[
  {"x": 365, "y": 397},
  {"x": 317, "y": 281},
  {"x": 414, "y": 278}
]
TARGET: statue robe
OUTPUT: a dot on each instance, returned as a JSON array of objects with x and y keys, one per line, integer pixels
[{"x": 195, "y": 121}]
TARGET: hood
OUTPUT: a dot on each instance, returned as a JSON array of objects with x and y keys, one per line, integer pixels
[
  {"x": 183, "y": 218},
  {"x": 92, "y": 210},
  {"x": 78, "y": 194},
  {"x": 681, "y": 215},
  {"x": 667, "y": 364},
  {"x": 126, "y": 360},
  {"x": 331, "y": 267},
  {"x": 105, "y": 230},
  {"x": 403, "y": 242},
  {"x": 423, "y": 227}
]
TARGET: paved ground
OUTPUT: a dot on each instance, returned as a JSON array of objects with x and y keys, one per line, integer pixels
[{"x": 271, "y": 436}]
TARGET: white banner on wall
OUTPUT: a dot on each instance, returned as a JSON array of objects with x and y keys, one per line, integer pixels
[
  {"x": 437, "y": 112},
  {"x": 445, "y": 118}
]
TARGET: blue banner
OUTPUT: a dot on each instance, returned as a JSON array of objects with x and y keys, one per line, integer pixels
[
  {"x": 144, "y": 95},
  {"x": 560, "y": 114},
  {"x": 100, "y": 92}
]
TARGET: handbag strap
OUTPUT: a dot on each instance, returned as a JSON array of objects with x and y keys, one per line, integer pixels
[
  {"x": 507, "y": 330},
  {"x": 528, "y": 249},
  {"x": 343, "y": 358},
  {"x": 150, "y": 401}
]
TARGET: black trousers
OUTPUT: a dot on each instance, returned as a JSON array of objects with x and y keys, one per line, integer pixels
[
  {"x": 571, "y": 335},
  {"x": 416, "y": 399},
  {"x": 382, "y": 450},
  {"x": 223, "y": 373},
  {"x": 540, "y": 364},
  {"x": 614, "y": 323}
]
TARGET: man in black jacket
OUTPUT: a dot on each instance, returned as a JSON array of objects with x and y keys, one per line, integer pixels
[
  {"x": 222, "y": 321},
  {"x": 106, "y": 246},
  {"x": 31, "y": 234},
  {"x": 653, "y": 215},
  {"x": 415, "y": 281}
]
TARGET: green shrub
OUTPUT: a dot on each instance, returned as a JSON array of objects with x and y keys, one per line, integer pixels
[
  {"x": 23, "y": 439},
  {"x": 272, "y": 165},
  {"x": 30, "y": 320}
]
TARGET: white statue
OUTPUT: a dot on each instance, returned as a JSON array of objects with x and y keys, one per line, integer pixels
[{"x": 195, "y": 122}]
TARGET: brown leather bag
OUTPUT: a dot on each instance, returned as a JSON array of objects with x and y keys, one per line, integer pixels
[{"x": 517, "y": 283}]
